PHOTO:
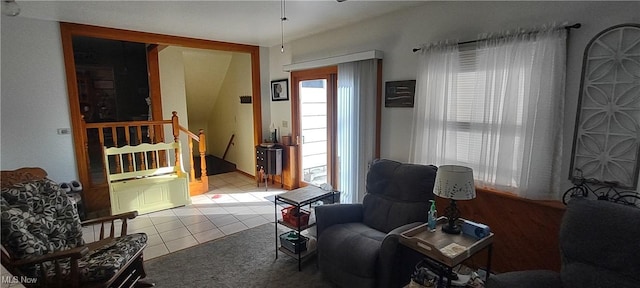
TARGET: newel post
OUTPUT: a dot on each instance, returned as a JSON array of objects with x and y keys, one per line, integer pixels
[
  {"x": 192, "y": 175},
  {"x": 175, "y": 125},
  {"x": 202, "y": 148}
]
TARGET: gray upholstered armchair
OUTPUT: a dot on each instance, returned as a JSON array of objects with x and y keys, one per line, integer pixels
[
  {"x": 599, "y": 248},
  {"x": 358, "y": 243}
]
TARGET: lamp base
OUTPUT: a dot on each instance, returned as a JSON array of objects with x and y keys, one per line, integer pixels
[
  {"x": 451, "y": 229},
  {"x": 452, "y": 213}
]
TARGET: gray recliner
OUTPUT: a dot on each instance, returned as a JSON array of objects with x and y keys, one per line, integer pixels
[
  {"x": 599, "y": 247},
  {"x": 358, "y": 243}
]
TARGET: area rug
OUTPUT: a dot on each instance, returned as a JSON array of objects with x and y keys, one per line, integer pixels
[{"x": 244, "y": 259}]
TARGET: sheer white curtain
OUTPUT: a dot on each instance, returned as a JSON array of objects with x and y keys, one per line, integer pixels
[
  {"x": 436, "y": 90},
  {"x": 356, "y": 117},
  {"x": 505, "y": 117},
  {"x": 522, "y": 100}
]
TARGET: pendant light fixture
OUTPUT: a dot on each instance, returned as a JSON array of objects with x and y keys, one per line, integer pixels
[{"x": 283, "y": 17}]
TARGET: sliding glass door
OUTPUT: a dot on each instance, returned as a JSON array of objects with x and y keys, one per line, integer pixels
[
  {"x": 313, "y": 129},
  {"x": 337, "y": 131},
  {"x": 313, "y": 122}
]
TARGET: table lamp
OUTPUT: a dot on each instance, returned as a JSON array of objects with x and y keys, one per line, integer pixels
[{"x": 455, "y": 183}]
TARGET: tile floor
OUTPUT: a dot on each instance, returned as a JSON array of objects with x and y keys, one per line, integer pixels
[{"x": 234, "y": 203}]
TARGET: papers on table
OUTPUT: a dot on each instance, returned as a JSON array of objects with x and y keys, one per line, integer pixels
[{"x": 452, "y": 249}]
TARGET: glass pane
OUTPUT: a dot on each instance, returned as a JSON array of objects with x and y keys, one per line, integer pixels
[{"x": 313, "y": 126}]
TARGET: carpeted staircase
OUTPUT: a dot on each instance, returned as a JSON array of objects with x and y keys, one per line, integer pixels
[{"x": 215, "y": 165}]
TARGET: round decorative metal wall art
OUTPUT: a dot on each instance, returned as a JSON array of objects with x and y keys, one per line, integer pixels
[{"x": 606, "y": 143}]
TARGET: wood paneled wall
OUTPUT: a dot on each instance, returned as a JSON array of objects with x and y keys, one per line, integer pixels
[{"x": 526, "y": 231}]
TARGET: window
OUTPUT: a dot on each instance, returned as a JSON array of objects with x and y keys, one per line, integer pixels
[
  {"x": 494, "y": 107},
  {"x": 467, "y": 121}
]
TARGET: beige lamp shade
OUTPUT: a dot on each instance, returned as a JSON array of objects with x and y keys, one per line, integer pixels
[{"x": 454, "y": 182}]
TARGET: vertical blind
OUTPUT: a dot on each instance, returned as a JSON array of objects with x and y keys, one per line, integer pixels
[{"x": 356, "y": 117}]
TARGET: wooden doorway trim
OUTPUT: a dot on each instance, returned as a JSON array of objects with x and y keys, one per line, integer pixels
[
  {"x": 330, "y": 73},
  {"x": 68, "y": 30},
  {"x": 153, "y": 66},
  {"x": 156, "y": 42}
]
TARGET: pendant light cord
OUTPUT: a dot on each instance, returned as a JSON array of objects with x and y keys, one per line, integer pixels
[{"x": 283, "y": 17}]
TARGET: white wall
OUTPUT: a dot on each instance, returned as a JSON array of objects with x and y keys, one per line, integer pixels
[
  {"x": 204, "y": 72},
  {"x": 34, "y": 99},
  {"x": 230, "y": 117},
  {"x": 265, "y": 98},
  {"x": 174, "y": 97},
  {"x": 280, "y": 111},
  {"x": 211, "y": 82},
  {"x": 397, "y": 33}
]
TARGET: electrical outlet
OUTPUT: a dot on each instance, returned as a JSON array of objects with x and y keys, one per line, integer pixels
[
  {"x": 285, "y": 124},
  {"x": 64, "y": 131}
]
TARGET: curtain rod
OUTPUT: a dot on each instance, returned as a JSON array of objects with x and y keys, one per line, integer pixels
[{"x": 568, "y": 27}]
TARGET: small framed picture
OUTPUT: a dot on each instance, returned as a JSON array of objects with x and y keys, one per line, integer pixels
[
  {"x": 280, "y": 90},
  {"x": 400, "y": 93}
]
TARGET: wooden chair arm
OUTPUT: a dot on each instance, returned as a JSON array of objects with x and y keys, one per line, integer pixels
[
  {"x": 123, "y": 216},
  {"x": 111, "y": 219},
  {"x": 74, "y": 253},
  {"x": 57, "y": 280}
]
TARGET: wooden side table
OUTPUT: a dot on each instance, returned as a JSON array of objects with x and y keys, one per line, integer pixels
[{"x": 446, "y": 249}]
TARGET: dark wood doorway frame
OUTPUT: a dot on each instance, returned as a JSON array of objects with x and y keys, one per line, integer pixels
[
  {"x": 155, "y": 43},
  {"x": 330, "y": 74}
]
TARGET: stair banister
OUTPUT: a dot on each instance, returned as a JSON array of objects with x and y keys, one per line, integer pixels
[
  {"x": 202, "y": 149},
  {"x": 116, "y": 134}
]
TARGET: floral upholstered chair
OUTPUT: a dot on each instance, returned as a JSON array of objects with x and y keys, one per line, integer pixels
[{"x": 42, "y": 241}]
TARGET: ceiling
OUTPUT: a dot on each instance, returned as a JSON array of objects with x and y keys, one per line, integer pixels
[{"x": 245, "y": 22}]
